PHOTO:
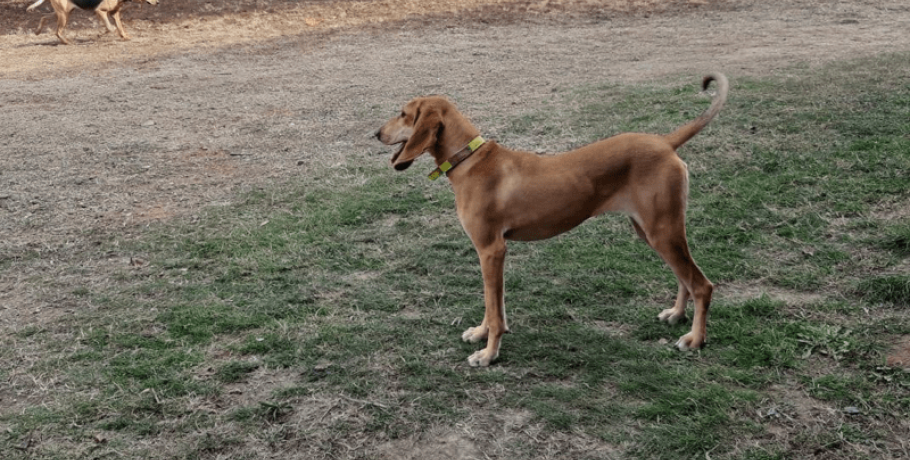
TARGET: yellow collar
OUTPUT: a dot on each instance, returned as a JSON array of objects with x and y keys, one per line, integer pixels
[{"x": 462, "y": 155}]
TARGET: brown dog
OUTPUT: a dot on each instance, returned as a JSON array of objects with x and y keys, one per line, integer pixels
[
  {"x": 63, "y": 8},
  {"x": 502, "y": 194}
]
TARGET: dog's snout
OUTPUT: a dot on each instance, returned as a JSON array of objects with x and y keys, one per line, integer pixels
[{"x": 379, "y": 134}]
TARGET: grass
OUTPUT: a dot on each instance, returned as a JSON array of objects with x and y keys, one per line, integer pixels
[{"x": 322, "y": 315}]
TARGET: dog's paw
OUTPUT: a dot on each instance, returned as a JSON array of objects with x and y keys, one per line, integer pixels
[
  {"x": 671, "y": 316},
  {"x": 475, "y": 334},
  {"x": 690, "y": 342},
  {"x": 481, "y": 358}
]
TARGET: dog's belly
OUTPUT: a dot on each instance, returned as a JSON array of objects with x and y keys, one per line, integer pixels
[
  {"x": 87, "y": 4},
  {"x": 541, "y": 232},
  {"x": 544, "y": 213},
  {"x": 544, "y": 223}
]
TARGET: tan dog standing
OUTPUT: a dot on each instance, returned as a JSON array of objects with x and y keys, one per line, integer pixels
[
  {"x": 63, "y": 8},
  {"x": 502, "y": 194}
]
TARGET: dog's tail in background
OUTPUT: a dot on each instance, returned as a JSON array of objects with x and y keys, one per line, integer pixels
[
  {"x": 686, "y": 131},
  {"x": 35, "y": 5}
]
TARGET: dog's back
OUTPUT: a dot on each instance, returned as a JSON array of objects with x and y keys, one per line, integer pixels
[{"x": 87, "y": 4}]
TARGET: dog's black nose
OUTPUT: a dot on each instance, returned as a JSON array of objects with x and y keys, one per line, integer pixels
[{"x": 379, "y": 134}]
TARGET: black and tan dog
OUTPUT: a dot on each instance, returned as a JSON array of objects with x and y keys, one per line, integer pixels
[
  {"x": 63, "y": 8},
  {"x": 503, "y": 194}
]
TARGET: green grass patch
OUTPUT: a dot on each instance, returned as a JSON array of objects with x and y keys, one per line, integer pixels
[
  {"x": 897, "y": 239},
  {"x": 893, "y": 289}
]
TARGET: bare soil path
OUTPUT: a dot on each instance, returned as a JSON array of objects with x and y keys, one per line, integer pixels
[{"x": 213, "y": 98}]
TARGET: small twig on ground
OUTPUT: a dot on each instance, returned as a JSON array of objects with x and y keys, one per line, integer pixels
[{"x": 366, "y": 403}]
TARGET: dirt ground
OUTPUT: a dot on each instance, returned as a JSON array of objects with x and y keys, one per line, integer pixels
[{"x": 211, "y": 99}]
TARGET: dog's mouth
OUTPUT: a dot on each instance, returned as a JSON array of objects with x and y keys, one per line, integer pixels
[{"x": 403, "y": 165}]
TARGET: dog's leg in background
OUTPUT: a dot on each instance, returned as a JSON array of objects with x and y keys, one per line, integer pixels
[
  {"x": 43, "y": 18},
  {"x": 41, "y": 23},
  {"x": 62, "y": 17},
  {"x": 105, "y": 20},
  {"x": 120, "y": 24},
  {"x": 492, "y": 261},
  {"x": 678, "y": 312}
]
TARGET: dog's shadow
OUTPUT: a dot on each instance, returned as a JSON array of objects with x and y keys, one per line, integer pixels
[
  {"x": 50, "y": 43},
  {"x": 73, "y": 41}
]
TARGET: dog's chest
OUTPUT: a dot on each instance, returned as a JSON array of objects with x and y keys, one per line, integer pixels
[{"x": 87, "y": 4}]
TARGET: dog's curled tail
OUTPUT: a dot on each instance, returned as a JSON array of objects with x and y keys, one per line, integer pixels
[{"x": 686, "y": 131}]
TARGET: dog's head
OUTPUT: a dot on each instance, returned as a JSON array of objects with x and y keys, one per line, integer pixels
[{"x": 417, "y": 129}]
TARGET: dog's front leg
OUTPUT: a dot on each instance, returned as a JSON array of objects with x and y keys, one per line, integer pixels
[{"x": 492, "y": 260}]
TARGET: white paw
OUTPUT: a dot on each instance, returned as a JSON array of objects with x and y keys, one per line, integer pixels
[
  {"x": 681, "y": 345},
  {"x": 475, "y": 334},
  {"x": 481, "y": 358},
  {"x": 690, "y": 342},
  {"x": 669, "y": 316}
]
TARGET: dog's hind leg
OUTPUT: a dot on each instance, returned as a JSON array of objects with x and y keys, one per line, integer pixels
[
  {"x": 678, "y": 312},
  {"x": 674, "y": 249},
  {"x": 104, "y": 19},
  {"x": 120, "y": 24},
  {"x": 639, "y": 231},
  {"x": 62, "y": 17},
  {"x": 41, "y": 23},
  {"x": 664, "y": 228}
]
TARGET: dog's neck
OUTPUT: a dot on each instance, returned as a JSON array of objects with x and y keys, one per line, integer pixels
[
  {"x": 458, "y": 140},
  {"x": 459, "y": 156}
]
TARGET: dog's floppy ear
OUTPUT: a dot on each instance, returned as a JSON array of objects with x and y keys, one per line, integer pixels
[{"x": 426, "y": 128}]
